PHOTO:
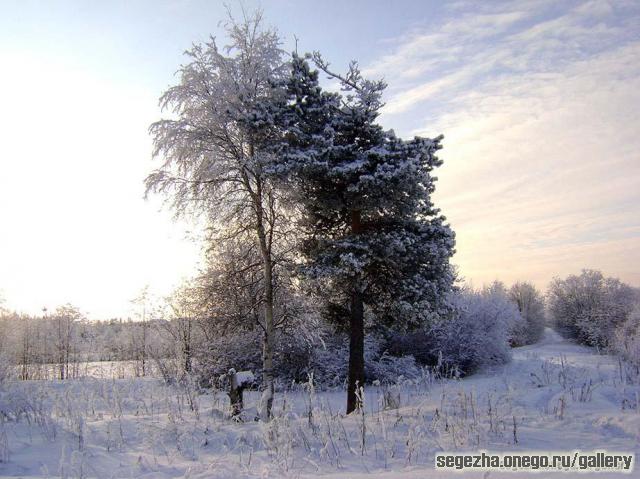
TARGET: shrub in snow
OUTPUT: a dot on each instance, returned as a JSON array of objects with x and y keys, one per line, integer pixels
[
  {"x": 478, "y": 333},
  {"x": 420, "y": 344},
  {"x": 239, "y": 351},
  {"x": 530, "y": 303},
  {"x": 328, "y": 361},
  {"x": 388, "y": 369},
  {"x": 626, "y": 341},
  {"x": 294, "y": 357},
  {"x": 590, "y": 307}
]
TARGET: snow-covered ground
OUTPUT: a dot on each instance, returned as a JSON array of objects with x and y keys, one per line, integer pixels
[{"x": 561, "y": 397}]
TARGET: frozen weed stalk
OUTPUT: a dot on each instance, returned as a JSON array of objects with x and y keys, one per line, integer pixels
[
  {"x": 279, "y": 440},
  {"x": 361, "y": 411},
  {"x": 310, "y": 399}
]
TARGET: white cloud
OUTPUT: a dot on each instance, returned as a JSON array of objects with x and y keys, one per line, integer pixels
[{"x": 540, "y": 116}]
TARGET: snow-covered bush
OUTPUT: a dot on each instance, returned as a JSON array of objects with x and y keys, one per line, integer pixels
[
  {"x": 294, "y": 357},
  {"x": 326, "y": 357},
  {"x": 239, "y": 351},
  {"x": 329, "y": 361},
  {"x": 388, "y": 369},
  {"x": 590, "y": 307},
  {"x": 478, "y": 333},
  {"x": 420, "y": 344},
  {"x": 530, "y": 303},
  {"x": 626, "y": 341}
]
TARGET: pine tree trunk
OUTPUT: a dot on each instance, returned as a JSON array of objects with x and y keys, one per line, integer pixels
[
  {"x": 356, "y": 351},
  {"x": 356, "y": 339}
]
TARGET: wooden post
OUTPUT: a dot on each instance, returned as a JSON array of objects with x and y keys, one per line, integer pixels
[{"x": 237, "y": 384}]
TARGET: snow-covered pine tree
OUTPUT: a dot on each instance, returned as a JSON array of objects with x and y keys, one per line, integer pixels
[{"x": 372, "y": 236}]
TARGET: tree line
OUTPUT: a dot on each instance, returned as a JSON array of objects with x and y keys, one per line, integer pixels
[{"x": 177, "y": 339}]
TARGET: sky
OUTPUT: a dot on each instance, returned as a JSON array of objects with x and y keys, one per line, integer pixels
[{"x": 538, "y": 101}]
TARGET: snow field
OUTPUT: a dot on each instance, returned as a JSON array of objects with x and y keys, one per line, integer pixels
[{"x": 553, "y": 396}]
